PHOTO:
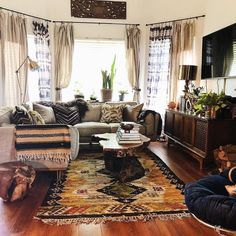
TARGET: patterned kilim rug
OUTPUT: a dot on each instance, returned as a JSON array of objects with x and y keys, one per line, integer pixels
[{"x": 88, "y": 194}]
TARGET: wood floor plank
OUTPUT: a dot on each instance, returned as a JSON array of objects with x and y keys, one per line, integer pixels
[{"x": 17, "y": 218}]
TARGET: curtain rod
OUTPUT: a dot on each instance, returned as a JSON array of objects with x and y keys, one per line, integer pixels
[
  {"x": 96, "y": 23},
  {"x": 25, "y": 14},
  {"x": 176, "y": 20},
  {"x": 74, "y": 22}
]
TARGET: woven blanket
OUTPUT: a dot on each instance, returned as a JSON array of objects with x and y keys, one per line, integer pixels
[{"x": 43, "y": 142}]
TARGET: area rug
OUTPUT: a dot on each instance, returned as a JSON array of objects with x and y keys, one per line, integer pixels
[{"x": 89, "y": 194}]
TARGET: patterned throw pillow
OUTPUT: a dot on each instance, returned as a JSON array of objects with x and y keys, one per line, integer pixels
[
  {"x": 66, "y": 115},
  {"x": 112, "y": 113},
  {"x": 20, "y": 116},
  {"x": 36, "y": 117}
]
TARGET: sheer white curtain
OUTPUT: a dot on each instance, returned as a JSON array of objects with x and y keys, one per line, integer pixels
[
  {"x": 13, "y": 52},
  {"x": 133, "y": 59},
  {"x": 63, "y": 56}
]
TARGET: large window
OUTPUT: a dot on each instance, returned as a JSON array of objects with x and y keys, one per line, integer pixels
[{"x": 90, "y": 57}]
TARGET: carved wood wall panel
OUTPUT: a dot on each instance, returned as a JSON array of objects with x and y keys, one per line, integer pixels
[{"x": 98, "y": 9}]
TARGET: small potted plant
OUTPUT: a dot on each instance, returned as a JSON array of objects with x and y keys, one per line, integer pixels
[
  {"x": 122, "y": 94},
  {"x": 93, "y": 98},
  {"x": 78, "y": 94}
]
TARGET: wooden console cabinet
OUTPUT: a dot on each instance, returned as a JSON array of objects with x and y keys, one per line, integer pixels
[{"x": 199, "y": 136}]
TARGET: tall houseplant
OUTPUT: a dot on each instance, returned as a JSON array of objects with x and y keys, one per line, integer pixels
[{"x": 108, "y": 81}]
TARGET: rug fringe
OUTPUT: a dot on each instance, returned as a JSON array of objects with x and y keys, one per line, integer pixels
[{"x": 102, "y": 220}]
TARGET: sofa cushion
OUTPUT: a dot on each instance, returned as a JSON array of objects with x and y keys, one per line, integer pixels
[
  {"x": 93, "y": 114},
  {"x": 66, "y": 115},
  {"x": 112, "y": 113},
  {"x": 5, "y": 113},
  {"x": 20, "y": 116},
  {"x": 90, "y": 128},
  {"x": 46, "y": 113},
  {"x": 36, "y": 118},
  {"x": 131, "y": 113}
]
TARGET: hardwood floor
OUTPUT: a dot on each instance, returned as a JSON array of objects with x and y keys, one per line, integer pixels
[{"x": 17, "y": 218}]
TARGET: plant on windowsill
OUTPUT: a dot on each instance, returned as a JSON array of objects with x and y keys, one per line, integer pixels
[
  {"x": 78, "y": 94},
  {"x": 107, "y": 82},
  {"x": 211, "y": 104},
  {"x": 122, "y": 94}
]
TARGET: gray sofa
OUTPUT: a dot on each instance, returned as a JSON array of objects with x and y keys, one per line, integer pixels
[{"x": 80, "y": 133}]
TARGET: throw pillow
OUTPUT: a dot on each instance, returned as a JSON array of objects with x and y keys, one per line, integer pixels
[
  {"x": 112, "y": 113},
  {"x": 66, "y": 115},
  {"x": 20, "y": 116},
  {"x": 93, "y": 114},
  {"x": 80, "y": 104},
  {"x": 46, "y": 113},
  {"x": 36, "y": 117},
  {"x": 5, "y": 113},
  {"x": 131, "y": 112}
]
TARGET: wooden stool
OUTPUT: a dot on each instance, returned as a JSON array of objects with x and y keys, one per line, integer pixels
[{"x": 16, "y": 179}]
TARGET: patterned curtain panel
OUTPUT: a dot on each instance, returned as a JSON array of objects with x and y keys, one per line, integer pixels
[
  {"x": 43, "y": 56},
  {"x": 159, "y": 67}
]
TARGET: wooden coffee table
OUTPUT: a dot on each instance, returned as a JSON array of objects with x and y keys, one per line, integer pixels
[{"x": 121, "y": 160}]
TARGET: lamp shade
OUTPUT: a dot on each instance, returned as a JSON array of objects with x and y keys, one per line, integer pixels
[
  {"x": 187, "y": 72},
  {"x": 33, "y": 65}
]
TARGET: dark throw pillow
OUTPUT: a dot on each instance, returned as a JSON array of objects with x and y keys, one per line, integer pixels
[
  {"x": 80, "y": 104},
  {"x": 66, "y": 115},
  {"x": 20, "y": 116}
]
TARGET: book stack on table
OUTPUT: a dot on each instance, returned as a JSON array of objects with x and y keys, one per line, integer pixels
[{"x": 129, "y": 137}]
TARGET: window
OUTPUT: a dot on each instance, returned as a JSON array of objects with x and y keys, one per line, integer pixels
[{"x": 90, "y": 57}]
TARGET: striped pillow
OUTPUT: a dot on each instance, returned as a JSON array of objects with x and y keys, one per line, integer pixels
[{"x": 66, "y": 115}]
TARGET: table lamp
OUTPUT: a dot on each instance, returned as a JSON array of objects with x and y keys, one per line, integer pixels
[{"x": 187, "y": 73}]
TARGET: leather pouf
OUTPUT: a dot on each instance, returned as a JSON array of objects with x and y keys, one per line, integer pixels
[
  {"x": 210, "y": 202},
  {"x": 16, "y": 179}
]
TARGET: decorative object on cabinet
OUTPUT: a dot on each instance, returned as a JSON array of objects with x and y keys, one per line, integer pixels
[
  {"x": 98, "y": 9},
  {"x": 187, "y": 73},
  {"x": 211, "y": 103}
]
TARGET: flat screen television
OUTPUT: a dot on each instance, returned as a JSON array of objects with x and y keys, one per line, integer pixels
[{"x": 219, "y": 54}]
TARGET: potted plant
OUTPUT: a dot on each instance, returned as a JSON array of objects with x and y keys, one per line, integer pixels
[
  {"x": 78, "y": 94},
  {"x": 107, "y": 82},
  {"x": 93, "y": 97},
  {"x": 211, "y": 103},
  {"x": 122, "y": 94}
]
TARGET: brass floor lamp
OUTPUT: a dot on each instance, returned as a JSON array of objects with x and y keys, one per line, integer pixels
[{"x": 33, "y": 65}]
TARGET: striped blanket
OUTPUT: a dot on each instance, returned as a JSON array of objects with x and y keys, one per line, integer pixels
[{"x": 47, "y": 142}]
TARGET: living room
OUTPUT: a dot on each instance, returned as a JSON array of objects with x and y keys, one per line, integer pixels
[{"x": 98, "y": 42}]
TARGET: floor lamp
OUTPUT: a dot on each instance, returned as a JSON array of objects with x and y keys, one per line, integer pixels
[
  {"x": 33, "y": 65},
  {"x": 187, "y": 73}
]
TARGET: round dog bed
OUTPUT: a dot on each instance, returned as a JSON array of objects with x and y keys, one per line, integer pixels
[{"x": 209, "y": 201}]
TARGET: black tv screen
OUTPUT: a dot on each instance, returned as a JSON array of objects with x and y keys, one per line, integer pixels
[{"x": 219, "y": 54}]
